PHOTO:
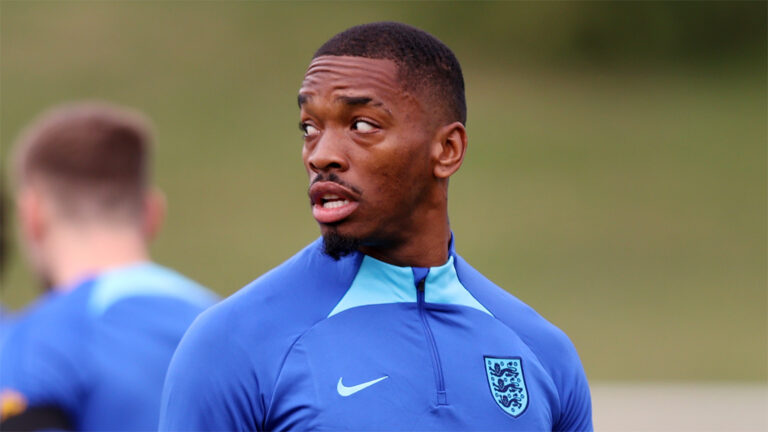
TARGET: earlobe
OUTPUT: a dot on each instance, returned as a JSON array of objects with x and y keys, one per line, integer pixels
[
  {"x": 449, "y": 149},
  {"x": 154, "y": 213}
]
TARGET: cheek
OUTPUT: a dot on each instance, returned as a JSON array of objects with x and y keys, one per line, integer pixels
[{"x": 400, "y": 176}]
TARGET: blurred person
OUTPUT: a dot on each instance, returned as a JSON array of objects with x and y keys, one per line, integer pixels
[
  {"x": 5, "y": 316},
  {"x": 92, "y": 352},
  {"x": 379, "y": 324}
]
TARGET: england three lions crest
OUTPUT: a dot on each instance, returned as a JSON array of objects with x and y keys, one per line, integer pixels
[{"x": 507, "y": 382}]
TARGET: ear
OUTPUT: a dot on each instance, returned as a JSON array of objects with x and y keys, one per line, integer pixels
[
  {"x": 33, "y": 219},
  {"x": 154, "y": 213},
  {"x": 448, "y": 150}
]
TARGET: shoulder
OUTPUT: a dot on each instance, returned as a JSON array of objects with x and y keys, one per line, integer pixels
[
  {"x": 551, "y": 345},
  {"x": 305, "y": 288},
  {"x": 51, "y": 319},
  {"x": 42, "y": 355},
  {"x": 271, "y": 312},
  {"x": 251, "y": 332},
  {"x": 146, "y": 280}
]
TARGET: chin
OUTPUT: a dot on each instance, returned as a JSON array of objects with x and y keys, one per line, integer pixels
[
  {"x": 343, "y": 228},
  {"x": 337, "y": 245}
]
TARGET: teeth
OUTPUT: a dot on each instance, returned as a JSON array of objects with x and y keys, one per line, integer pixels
[
  {"x": 330, "y": 197},
  {"x": 335, "y": 204}
]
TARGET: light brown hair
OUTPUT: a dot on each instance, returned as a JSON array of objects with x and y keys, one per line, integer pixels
[{"x": 92, "y": 158}]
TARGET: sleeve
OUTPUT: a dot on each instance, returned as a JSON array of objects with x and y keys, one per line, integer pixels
[
  {"x": 211, "y": 385},
  {"x": 42, "y": 374},
  {"x": 576, "y": 402}
]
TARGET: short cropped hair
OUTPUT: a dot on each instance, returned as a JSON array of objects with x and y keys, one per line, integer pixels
[
  {"x": 92, "y": 157},
  {"x": 423, "y": 61}
]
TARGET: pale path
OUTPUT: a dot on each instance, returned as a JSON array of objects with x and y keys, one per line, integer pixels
[{"x": 621, "y": 406}]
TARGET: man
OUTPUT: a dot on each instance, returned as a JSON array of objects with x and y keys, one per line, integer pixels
[
  {"x": 381, "y": 325},
  {"x": 91, "y": 354},
  {"x": 5, "y": 317}
]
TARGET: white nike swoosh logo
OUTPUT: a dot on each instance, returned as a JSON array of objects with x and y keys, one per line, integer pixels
[{"x": 347, "y": 391}]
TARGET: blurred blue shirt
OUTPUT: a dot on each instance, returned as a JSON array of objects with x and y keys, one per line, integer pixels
[{"x": 99, "y": 352}]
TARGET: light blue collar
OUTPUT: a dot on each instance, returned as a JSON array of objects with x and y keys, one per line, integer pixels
[
  {"x": 145, "y": 279},
  {"x": 377, "y": 282}
]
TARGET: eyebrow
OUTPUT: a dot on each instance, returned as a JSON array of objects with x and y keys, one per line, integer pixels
[
  {"x": 356, "y": 100},
  {"x": 363, "y": 100},
  {"x": 347, "y": 100}
]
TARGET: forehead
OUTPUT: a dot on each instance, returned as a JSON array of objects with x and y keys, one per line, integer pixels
[{"x": 329, "y": 76}]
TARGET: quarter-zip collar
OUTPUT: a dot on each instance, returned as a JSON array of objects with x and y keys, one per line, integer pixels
[{"x": 378, "y": 282}]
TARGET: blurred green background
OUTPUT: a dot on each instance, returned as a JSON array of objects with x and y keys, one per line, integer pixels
[{"x": 615, "y": 179}]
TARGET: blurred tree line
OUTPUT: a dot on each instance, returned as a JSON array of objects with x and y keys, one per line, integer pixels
[{"x": 604, "y": 34}]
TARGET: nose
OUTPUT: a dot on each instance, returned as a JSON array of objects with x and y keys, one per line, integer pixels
[{"x": 327, "y": 154}]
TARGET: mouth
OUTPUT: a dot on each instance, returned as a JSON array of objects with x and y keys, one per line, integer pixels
[{"x": 331, "y": 202}]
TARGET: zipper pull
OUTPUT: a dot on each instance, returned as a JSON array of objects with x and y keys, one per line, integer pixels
[{"x": 420, "y": 277}]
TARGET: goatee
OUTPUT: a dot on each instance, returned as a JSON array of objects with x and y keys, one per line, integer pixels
[{"x": 337, "y": 246}]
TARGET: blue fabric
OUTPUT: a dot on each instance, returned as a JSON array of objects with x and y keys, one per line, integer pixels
[
  {"x": 6, "y": 320},
  {"x": 321, "y": 344},
  {"x": 100, "y": 351},
  {"x": 145, "y": 279}
]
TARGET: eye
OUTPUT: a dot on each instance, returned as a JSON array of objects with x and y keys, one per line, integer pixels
[
  {"x": 308, "y": 129},
  {"x": 363, "y": 126}
]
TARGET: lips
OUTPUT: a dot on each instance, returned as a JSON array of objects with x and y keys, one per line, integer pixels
[{"x": 331, "y": 202}]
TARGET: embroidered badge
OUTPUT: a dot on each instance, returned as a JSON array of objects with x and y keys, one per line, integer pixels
[{"x": 507, "y": 382}]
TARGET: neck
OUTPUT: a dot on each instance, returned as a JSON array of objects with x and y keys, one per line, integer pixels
[
  {"x": 427, "y": 246},
  {"x": 78, "y": 252}
]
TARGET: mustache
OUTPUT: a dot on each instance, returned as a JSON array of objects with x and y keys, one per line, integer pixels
[{"x": 335, "y": 179}]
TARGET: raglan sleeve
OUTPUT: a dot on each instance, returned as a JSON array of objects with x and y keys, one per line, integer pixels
[
  {"x": 211, "y": 384},
  {"x": 576, "y": 401}
]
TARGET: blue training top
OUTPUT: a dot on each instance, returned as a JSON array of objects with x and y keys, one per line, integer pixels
[
  {"x": 360, "y": 344},
  {"x": 99, "y": 353}
]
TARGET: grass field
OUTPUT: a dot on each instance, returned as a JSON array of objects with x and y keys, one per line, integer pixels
[{"x": 626, "y": 204}]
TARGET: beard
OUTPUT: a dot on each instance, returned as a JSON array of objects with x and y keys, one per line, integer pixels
[{"x": 337, "y": 246}]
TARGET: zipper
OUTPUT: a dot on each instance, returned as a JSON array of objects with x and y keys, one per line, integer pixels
[{"x": 436, "y": 364}]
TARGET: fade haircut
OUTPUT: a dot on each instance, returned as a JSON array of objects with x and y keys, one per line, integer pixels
[
  {"x": 92, "y": 158},
  {"x": 423, "y": 61}
]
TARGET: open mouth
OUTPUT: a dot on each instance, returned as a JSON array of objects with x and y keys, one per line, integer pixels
[{"x": 331, "y": 202}]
